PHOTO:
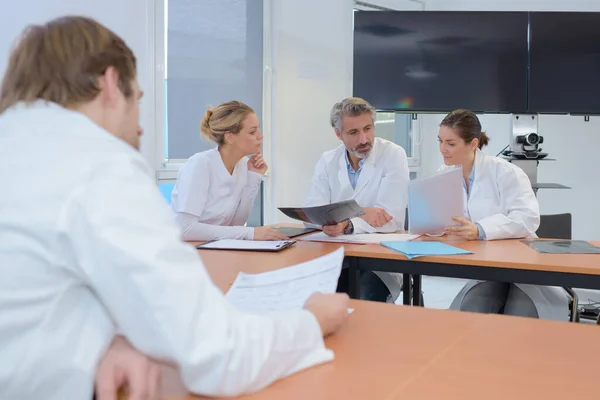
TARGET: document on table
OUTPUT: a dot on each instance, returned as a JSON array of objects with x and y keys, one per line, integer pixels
[
  {"x": 287, "y": 288},
  {"x": 422, "y": 249},
  {"x": 435, "y": 200},
  {"x": 363, "y": 238},
  {"x": 247, "y": 245}
]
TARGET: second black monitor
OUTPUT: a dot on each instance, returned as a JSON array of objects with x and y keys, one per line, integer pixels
[{"x": 565, "y": 63}]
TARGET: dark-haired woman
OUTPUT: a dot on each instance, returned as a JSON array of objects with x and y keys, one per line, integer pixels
[{"x": 500, "y": 204}]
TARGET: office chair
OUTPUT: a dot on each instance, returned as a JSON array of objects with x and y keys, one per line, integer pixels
[{"x": 559, "y": 226}]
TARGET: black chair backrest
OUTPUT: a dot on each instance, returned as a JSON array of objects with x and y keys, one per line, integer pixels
[
  {"x": 406, "y": 219},
  {"x": 555, "y": 226}
]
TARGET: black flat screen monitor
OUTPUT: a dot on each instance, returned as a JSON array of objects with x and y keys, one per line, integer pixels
[
  {"x": 439, "y": 61},
  {"x": 565, "y": 63}
]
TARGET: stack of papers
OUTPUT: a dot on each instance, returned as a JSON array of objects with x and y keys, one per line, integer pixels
[
  {"x": 287, "y": 288},
  {"x": 365, "y": 238},
  {"x": 421, "y": 249}
]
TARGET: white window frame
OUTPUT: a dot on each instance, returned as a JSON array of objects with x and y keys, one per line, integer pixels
[
  {"x": 414, "y": 162},
  {"x": 415, "y": 133},
  {"x": 167, "y": 168}
]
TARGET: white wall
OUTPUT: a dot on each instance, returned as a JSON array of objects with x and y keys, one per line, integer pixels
[
  {"x": 568, "y": 139},
  {"x": 311, "y": 59},
  {"x": 128, "y": 18}
]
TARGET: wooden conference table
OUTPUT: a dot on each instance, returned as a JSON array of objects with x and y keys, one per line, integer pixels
[
  {"x": 390, "y": 352},
  {"x": 498, "y": 260}
]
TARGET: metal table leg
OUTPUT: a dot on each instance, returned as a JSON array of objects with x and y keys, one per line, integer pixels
[
  {"x": 353, "y": 277},
  {"x": 416, "y": 294},
  {"x": 407, "y": 289}
]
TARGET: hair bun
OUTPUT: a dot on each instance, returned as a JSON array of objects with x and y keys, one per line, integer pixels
[
  {"x": 205, "y": 124},
  {"x": 484, "y": 140}
]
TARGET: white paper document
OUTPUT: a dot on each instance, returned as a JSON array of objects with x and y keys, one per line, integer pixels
[
  {"x": 364, "y": 238},
  {"x": 287, "y": 288},
  {"x": 435, "y": 200}
]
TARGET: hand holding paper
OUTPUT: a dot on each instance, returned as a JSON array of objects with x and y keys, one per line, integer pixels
[
  {"x": 466, "y": 230},
  {"x": 331, "y": 310},
  {"x": 287, "y": 288},
  {"x": 335, "y": 230}
]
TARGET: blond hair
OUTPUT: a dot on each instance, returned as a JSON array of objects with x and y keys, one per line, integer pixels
[
  {"x": 228, "y": 117},
  {"x": 61, "y": 61}
]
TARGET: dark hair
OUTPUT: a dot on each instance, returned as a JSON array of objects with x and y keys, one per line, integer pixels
[
  {"x": 60, "y": 61},
  {"x": 467, "y": 126}
]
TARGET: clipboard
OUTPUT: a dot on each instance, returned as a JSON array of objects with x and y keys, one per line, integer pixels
[{"x": 272, "y": 246}]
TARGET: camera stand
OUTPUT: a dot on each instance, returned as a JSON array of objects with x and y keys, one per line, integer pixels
[{"x": 525, "y": 151}]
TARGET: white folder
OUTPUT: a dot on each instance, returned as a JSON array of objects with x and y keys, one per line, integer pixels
[{"x": 435, "y": 200}]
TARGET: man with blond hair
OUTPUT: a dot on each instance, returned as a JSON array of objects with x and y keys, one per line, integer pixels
[{"x": 88, "y": 248}]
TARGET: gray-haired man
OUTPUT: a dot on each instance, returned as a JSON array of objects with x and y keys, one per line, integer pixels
[{"x": 370, "y": 170}]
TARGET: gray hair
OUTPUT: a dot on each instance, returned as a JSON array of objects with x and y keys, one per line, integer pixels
[{"x": 350, "y": 107}]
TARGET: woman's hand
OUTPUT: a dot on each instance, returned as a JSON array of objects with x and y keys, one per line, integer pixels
[
  {"x": 268, "y": 233},
  {"x": 257, "y": 164},
  {"x": 467, "y": 229}
]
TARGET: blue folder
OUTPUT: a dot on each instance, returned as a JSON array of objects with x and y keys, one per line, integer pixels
[{"x": 421, "y": 249}]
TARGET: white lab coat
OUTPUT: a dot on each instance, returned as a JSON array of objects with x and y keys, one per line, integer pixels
[
  {"x": 209, "y": 203},
  {"x": 383, "y": 182},
  {"x": 502, "y": 202},
  {"x": 88, "y": 243}
]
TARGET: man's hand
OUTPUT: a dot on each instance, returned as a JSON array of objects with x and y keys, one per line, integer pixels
[
  {"x": 331, "y": 310},
  {"x": 376, "y": 217},
  {"x": 467, "y": 229},
  {"x": 123, "y": 367},
  {"x": 335, "y": 230}
]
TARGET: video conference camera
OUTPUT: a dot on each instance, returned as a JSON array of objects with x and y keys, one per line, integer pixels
[
  {"x": 525, "y": 140},
  {"x": 530, "y": 139}
]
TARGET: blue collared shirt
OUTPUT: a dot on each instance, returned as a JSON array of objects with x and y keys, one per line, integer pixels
[
  {"x": 352, "y": 174},
  {"x": 471, "y": 179}
]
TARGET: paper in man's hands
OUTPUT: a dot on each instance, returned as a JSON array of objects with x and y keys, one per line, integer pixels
[{"x": 287, "y": 288}]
